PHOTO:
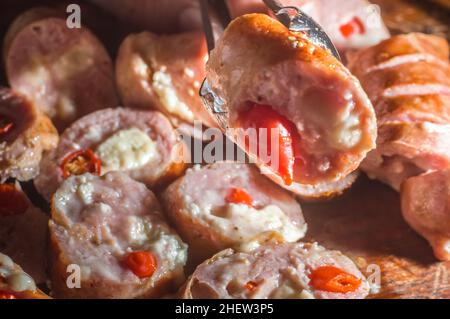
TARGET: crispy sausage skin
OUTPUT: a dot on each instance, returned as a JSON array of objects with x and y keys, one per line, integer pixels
[
  {"x": 225, "y": 204},
  {"x": 23, "y": 231},
  {"x": 259, "y": 66},
  {"x": 15, "y": 283},
  {"x": 25, "y": 133},
  {"x": 66, "y": 72},
  {"x": 426, "y": 207},
  {"x": 141, "y": 143},
  {"x": 271, "y": 271},
  {"x": 407, "y": 78},
  {"x": 96, "y": 223},
  {"x": 164, "y": 73}
]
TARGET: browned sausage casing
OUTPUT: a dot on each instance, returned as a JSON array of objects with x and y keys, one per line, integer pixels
[
  {"x": 259, "y": 61},
  {"x": 25, "y": 133},
  {"x": 407, "y": 78},
  {"x": 270, "y": 271}
]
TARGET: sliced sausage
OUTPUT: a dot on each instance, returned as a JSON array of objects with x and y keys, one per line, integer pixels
[
  {"x": 113, "y": 229},
  {"x": 66, "y": 72},
  {"x": 289, "y": 270},
  {"x": 25, "y": 134},
  {"x": 141, "y": 143},
  {"x": 23, "y": 231},
  {"x": 153, "y": 72},
  {"x": 408, "y": 81},
  {"x": 290, "y": 93},
  {"x": 224, "y": 204},
  {"x": 426, "y": 207},
  {"x": 15, "y": 283}
]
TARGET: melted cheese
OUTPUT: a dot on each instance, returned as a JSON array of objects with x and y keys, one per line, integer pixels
[
  {"x": 287, "y": 291},
  {"x": 16, "y": 279},
  {"x": 66, "y": 107},
  {"x": 163, "y": 86},
  {"x": 348, "y": 133},
  {"x": 244, "y": 222},
  {"x": 85, "y": 190},
  {"x": 126, "y": 150},
  {"x": 139, "y": 231}
]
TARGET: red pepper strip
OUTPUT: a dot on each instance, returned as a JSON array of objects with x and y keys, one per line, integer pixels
[
  {"x": 263, "y": 116},
  {"x": 142, "y": 263},
  {"x": 354, "y": 26},
  {"x": 5, "y": 125},
  {"x": 333, "y": 279},
  {"x": 7, "y": 295},
  {"x": 239, "y": 196},
  {"x": 12, "y": 200},
  {"x": 80, "y": 162},
  {"x": 250, "y": 286}
]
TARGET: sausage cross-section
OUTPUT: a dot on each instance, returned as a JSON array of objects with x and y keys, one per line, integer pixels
[
  {"x": 276, "y": 81},
  {"x": 290, "y": 270},
  {"x": 65, "y": 71},
  {"x": 164, "y": 73},
  {"x": 113, "y": 229},
  {"x": 141, "y": 143},
  {"x": 225, "y": 204},
  {"x": 25, "y": 133}
]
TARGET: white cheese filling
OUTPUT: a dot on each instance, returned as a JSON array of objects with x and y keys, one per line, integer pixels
[
  {"x": 126, "y": 150},
  {"x": 163, "y": 86},
  {"x": 244, "y": 222},
  {"x": 287, "y": 291},
  {"x": 16, "y": 279}
]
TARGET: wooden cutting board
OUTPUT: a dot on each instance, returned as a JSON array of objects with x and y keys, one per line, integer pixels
[{"x": 365, "y": 222}]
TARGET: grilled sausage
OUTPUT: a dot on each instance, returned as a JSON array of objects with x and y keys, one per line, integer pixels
[
  {"x": 113, "y": 229},
  {"x": 290, "y": 270},
  {"x": 426, "y": 207},
  {"x": 25, "y": 134},
  {"x": 408, "y": 81},
  {"x": 66, "y": 72},
  {"x": 225, "y": 204},
  {"x": 164, "y": 73},
  {"x": 351, "y": 24},
  {"x": 141, "y": 143},
  {"x": 15, "y": 283},
  {"x": 276, "y": 82},
  {"x": 23, "y": 231}
]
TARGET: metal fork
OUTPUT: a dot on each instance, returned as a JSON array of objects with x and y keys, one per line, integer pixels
[{"x": 292, "y": 17}]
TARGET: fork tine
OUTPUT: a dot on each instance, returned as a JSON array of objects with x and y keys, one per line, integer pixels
[
  {"x": 222, "y": 11},
  {"x": 207, "y": 25}
]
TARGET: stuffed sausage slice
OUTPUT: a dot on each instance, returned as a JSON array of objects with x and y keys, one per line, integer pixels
[
  {"x": 143, "y": 144},
  {"x": 276, "y": 83},
  {"x": 66, "y": 72},
  {"x": 426, "y": 208},
  {"x": 225, "y": 204},
  {"x": 290, "y": 270},
  {"x": 407, "y": 78},
  {"x": 23, "y": 231},
  {"x": 164, "y": 73},
  {"x": 113, "y": 229},
  {"x": 15, "y": 283},
  {"x": 24, "y": 135}
]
